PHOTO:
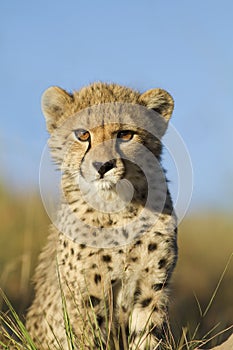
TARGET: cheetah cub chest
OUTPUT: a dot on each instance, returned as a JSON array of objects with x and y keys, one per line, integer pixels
[{"x": 112, "y": 248}]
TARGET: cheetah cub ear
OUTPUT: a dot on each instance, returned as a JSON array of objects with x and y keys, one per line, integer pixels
[
  {"x": 160, "y": 101},
  {"x": 55, "y": 103}
]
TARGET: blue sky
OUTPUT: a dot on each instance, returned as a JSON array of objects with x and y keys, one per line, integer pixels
[{"x": 185, "y": 47}]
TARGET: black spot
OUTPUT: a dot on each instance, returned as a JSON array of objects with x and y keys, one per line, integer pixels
[
  {"x": 158, "y": 286},
  {"x": 74, "y": 201},
  {"x": 99, "y": 320},
  {"x": 92, "y": 253},
  {"x": 106, "y": 258},
  {"x": 97, "y": 278},
  {"x": 146, "y": 302},
  {"x": 162, "y": 263},
  {"x": 134, "y": 259},
  {"x": 152, "y": 247},
  {"x": 133, "y": 336},
  {"x": 94, "y": 300},
  {"x": 93, "y": 266},
  {"x": 120, "y": 251},
  {"x": 113, "y": 281},
  {"x": 70, "y": 266},
  {"x": 146, "y": 269},
  {"x": 82, "y": 246},
  {"x": 155, "y": 308},
  {"x": 131, "y": 209},
  {"x": 90, "y": 210},
  {"x": 65, "y": 244},
  {"x": 110, "y": 268},
  {"x": 72, "y": 251},
  {"x": 157, "y": 233},
  {"x": 138, "y": 243},
  {"x": 79, "y": 256}
]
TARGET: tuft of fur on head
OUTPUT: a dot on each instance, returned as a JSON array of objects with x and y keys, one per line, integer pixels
[{"x": 58, "y": 105}]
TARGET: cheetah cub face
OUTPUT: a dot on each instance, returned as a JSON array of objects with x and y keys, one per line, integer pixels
[{"x": 106, "y": 147}]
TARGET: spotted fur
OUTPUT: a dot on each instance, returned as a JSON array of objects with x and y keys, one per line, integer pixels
[{"x": 118, "y": 286}]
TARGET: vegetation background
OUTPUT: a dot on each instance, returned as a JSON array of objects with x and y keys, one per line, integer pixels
[
  {"x": 182, "y": 46},
  {"x": 205, "y": 247}
]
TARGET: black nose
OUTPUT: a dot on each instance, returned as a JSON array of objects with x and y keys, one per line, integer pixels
[{"x": 103, "y": 168}]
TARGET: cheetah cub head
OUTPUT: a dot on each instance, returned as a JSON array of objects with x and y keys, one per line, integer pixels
[{"x": 102, "y": 138}]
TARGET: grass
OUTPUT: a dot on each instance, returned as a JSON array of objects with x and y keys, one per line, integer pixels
[
  {"x": 20, "y": 338},
  {"x": 201, "y": 300}
]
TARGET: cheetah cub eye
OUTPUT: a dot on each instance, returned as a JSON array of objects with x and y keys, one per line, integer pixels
[
  {"x": 82, "y": 135},
  {"x": 125, "y": 135}
]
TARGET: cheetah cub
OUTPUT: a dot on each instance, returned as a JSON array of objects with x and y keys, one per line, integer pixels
[{"x": 112, "y": 249}]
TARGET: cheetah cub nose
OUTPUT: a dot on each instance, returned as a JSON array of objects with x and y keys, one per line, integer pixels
[{"x": 103, "y": 168}]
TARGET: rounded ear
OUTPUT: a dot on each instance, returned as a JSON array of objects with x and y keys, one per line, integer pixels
[
  {"x": 159, "y": 100},
  {"x": 54, "y": 103}
]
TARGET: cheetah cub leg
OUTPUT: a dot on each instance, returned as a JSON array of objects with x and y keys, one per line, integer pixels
[{"x": 148, "y": 320}]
